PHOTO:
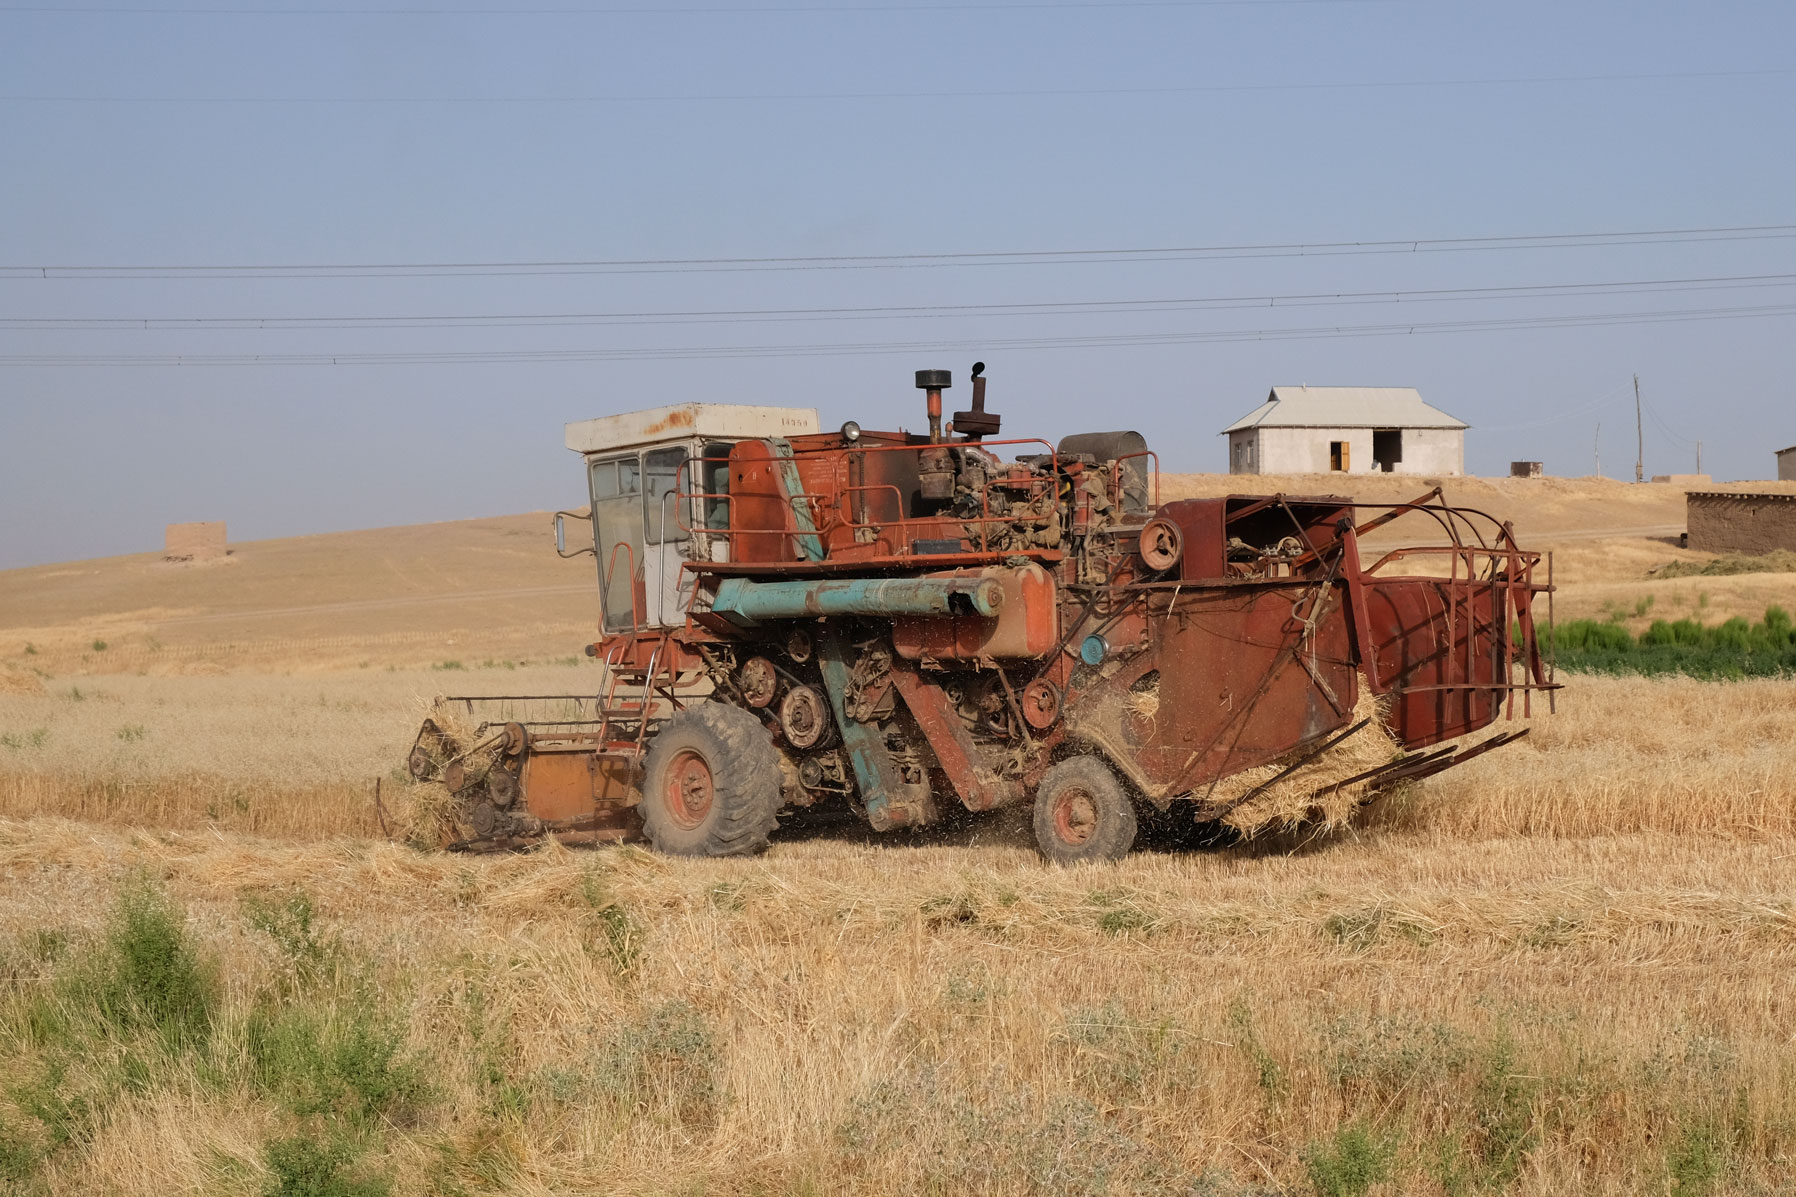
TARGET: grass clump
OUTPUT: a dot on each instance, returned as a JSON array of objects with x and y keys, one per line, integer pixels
[{"x": 1778, "y": 561}]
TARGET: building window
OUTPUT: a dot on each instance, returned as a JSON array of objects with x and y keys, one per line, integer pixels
[
  {"x": 1387, "y": 448},
  {"x": 1338, "y": 457}
]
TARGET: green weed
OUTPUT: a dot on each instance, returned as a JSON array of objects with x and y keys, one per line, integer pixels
[
  {"x": 99, "y": 646},
  {"x": 19, "y": 1156},
  {"x": 616, "y": 934},
  {"x": 1732, "y": 649},
  {"x": 287, "y": 919},
  {"x": 1350, "y": 1162},
  {"x": 131, "y": 733},
  {"x": 147, "y": 975},
  {"x": 346, "y": 1064},
  {"x": 1695, "y": 1161},
  {"x": 1270, "y": 1073},
  {"x": 303, "y": 1166},
  {"x": 666, "y": 1061}
]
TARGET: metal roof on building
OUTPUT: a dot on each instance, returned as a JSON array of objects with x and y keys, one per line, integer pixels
[{"x": 1345, "y": 407}]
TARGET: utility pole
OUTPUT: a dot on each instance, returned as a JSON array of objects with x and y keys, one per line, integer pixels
[
  {"x": 1639, "y": 437},
  {"x": 1699, "y": 457},
  {"x": 1597, "y": 448}
]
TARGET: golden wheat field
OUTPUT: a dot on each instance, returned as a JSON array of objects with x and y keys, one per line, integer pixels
[{"x": 1568, "y": 967}]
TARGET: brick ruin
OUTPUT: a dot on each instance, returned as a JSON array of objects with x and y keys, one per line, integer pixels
[{"x": 194, "y": 542}]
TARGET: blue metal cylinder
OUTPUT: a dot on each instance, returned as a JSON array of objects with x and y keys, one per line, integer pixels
[{"x": 748, "y": 601}]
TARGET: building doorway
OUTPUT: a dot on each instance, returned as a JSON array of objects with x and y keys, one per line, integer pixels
[
  {"x": 1339, "y": 460},
  {"x": 1387, "y": 448}
]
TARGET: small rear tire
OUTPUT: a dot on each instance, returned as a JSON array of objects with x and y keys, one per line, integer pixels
[
  {"x": 1083, "y": 813},
  {"x": 711, "y": 784}
]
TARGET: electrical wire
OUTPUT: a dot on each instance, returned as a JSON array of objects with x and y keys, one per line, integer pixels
[
  {"x": 908, "y": 312},
  {"x": 915, "y": 93},
  {"x": 1597, "y": 404},
  {"x": 658, "y": 10},
  {"x": 1059, "y": 257},
  {"x": 678, "y": 353}
]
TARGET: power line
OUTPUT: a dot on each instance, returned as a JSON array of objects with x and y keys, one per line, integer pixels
[
  {"x": 657, "y": 10},
  {"x": 1598, "y": 403},
  {"x": 910, "y": 261},
  {"x": 895, "y": 312},
  {"x": 914, "y": 93},
  {"x": 663, "y": 353}
]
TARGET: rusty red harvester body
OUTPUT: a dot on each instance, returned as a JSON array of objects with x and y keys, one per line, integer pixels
[{"x": 901, "y": 624}]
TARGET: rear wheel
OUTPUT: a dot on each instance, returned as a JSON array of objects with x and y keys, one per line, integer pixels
[
  {"x": 711, "y": 783},
  {"x": 1082, "y": 812}
]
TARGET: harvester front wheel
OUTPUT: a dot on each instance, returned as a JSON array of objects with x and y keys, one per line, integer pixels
[
  {"x": 1082, "y": 812},
  {"x": 711, "y": 783}
]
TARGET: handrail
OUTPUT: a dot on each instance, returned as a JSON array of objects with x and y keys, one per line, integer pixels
[
  {"x": 611, "y": 569},
  {"x": 1116, "y": 472}
]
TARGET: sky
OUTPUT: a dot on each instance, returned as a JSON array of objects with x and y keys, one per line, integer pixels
[{"x": 306, "y": 267}]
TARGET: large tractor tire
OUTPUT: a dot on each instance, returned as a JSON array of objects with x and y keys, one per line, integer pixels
[
  {"x": 1083, "y": 813},
  {"x": 711, "y": 783}
]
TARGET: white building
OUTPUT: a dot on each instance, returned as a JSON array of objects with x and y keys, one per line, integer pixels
[{"x": 1356, "y": 430}]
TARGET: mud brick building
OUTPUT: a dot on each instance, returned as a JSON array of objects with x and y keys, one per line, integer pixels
[{"x": 1730, "y": 522}]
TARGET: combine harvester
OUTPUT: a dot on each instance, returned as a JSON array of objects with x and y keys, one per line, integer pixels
[{"x": 901, "y": 623}]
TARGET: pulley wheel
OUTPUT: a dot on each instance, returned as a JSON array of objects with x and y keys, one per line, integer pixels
[
  {"x": 798, "y": 645},
  {"x": 485, "y": 818},
  {"x": 804, "y": 717},
  {"x": 1161, "y": 544},
  {"x": 419, "y": 764},
  {"x": 515, "y": 739},
  {"x": 455, "y": 776},
  {"x": 1041, "y": 704},
  {"x": 502, "y": 787},
  {"x": 760, "y": 682}
]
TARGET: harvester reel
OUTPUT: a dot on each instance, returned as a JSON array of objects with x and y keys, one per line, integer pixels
[{"x": 431, "y": 748}]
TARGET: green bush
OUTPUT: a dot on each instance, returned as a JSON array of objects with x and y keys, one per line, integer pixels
[{"x": 302, "y": 1166}]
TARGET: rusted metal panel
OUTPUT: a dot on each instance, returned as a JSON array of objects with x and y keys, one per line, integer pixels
[
  {"x": 1224, "y": 687},
  {"x": 1026, "y": 625},
  {"x": 974, "y": 779}
]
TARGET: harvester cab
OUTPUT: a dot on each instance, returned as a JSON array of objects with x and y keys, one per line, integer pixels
[
  {"x": 648, "y": 474},
  {"x": 901, "y": 624}
]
